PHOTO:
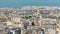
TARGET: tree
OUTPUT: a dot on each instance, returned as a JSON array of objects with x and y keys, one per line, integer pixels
[
  {"x": 37, "y": 31},
  {"x": 26, "y": 33},
  {"x": 26, "y": 17},
  {"x": 33, "y": 23},
  {"x": 22, "y": 17},
  {"x": 55, "y": 24},
  {"x": 3, "y": 19},
  {"x": 59, "y": 17},
  {"x": 30, "y": 16}
]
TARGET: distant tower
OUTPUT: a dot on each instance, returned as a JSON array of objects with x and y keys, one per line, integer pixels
[
  {"x": 38, "y": 11},
  {"x": 38, "y": 14}
]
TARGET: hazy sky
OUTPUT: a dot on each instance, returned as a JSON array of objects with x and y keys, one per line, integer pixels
[{"x": 16, "y": 3}]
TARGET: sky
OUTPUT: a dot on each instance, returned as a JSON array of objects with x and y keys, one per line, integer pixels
[{"x": 19, "y": 3}]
